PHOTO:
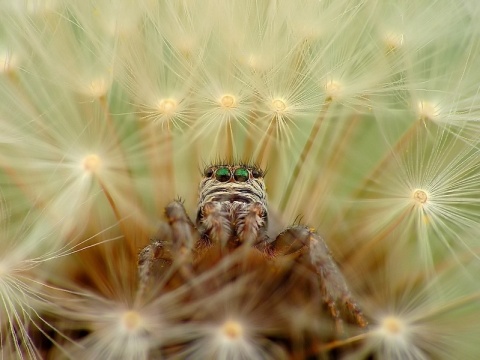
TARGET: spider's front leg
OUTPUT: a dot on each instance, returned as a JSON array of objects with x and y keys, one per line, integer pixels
[
  {"x": 314, "y": 253},
  {"x": 172, "y": 244},
  {"x": 231, "y": 224}
]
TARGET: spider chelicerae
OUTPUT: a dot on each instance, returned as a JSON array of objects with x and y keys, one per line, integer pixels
[{"x": 232, "y": 218}]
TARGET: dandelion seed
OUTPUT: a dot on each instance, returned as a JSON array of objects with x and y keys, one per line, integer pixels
[
  {"x": 417, "y": 318},
  {"x": 97, "y": 88},
  {"x": 420, "y": 196},
  {"x": 232, "y": 330},
  {"x": 228, "y": 101},
  {"x": 437, "y": 176},
  {"x": 333, "y": 90},
  {"x": 25, "y": 292},
  {"x": 131, "y": 321},
  {"x": 427, "y": 111},
  {"x": 397, "y": 339},
  {"x": 393, "y": 329},
  {"x": 167, "y": 106},
  {"x": 117, "y": 333},
  {"x": 393, "y": 41},
  {"x": 278, "y": 105},
  {"x": 92, "y": 163},
  {"x": 365, "y": 113}
]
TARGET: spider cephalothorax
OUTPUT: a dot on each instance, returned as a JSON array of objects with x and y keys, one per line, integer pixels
[
  {"x": 232, "y": 205},
  {"x": 293, "y": 270}
]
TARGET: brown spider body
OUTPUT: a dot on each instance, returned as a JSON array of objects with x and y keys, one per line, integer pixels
[{"x": 231, "y": 226}]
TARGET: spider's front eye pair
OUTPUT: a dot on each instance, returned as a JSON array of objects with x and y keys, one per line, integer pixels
[{"x": 223, "y": 174}]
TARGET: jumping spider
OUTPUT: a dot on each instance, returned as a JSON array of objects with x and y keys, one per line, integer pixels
[{"x": 232, "y": 215}]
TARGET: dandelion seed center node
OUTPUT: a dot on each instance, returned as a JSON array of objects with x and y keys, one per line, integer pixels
[
  {"x": 427, "y": 110},
  {"x": 228, "y": 101},
  {"x": 167, "y": 106},
  {"x": 232, "y": 330},
  {"x": 92, "y": 163},
  {"x": 98, "y": 87},
  {"x": 333, "y": 89},
  {"x": 393, "y": 40},
  {"x": 279, "y": 105},
  {"x": 131, "y": 320},
  {"x": 420, "y": 196},
  {"x": 393, "y": 326}
]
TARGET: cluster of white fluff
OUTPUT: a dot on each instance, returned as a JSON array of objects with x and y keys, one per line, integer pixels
[{"x": 365, "y": 113}]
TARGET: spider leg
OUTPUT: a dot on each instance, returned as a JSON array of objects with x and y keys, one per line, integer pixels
[
  {"x": 149, "y": 260},
  {"x": 184, "y": 233},
  {"x": 214, "y": 224},
  {"x": 251, "y": 226},
  {"x": 314, "y": 253},
  {"x": 233, "y": 224},
  {"x": 173, "y": 243}
]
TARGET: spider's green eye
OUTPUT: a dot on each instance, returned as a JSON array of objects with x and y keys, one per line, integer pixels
[
  {"x": 208, "y": 173},
  {"x": 223, "y": 174},
  {"x": 241, "y": 175},
  {"x": 256, "y": 173}
]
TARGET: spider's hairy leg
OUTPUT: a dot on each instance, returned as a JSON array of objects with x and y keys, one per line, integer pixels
[
  {"x": 172, "y": 244},
  {"x": 251, "y": 228},
  {"x": 214, "y": 224},
  {"x": 315, "y": 254},
  {"x": 184, "y": 234},
  {"x": 152, "y": 259},
  {"x": 233, "y": 224}
]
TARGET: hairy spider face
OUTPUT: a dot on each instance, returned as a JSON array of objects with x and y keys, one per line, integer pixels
[{"x": 233, "y": 187}]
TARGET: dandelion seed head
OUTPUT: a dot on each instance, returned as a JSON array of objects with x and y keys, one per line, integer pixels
[
  {"x": 392, "y": 328},
  {"x": 167, "y": 106},
  {"x": 92, "y": 163},
  {"x": 428, "y": 110},
  {"x": 420, "y": 196},
  {"x": 228, "y": 101},
  {"x": 393, "y": 332},
  {"x": 249, "y": 80},
  {"x": 333, "y": 89},
  {"x": 279, "y": 105},
  {"x": 231, "y": 330},
  {"x": 97, "y": 87},
  {"x": 229, "y": 340},
  {"x": 393, "y": 40},
  {"x": 117, "y": 330},
  {"x": 131, "y": 321}
]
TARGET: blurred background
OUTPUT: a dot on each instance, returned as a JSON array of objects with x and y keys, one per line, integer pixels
[{"x": 365, "y": 115}]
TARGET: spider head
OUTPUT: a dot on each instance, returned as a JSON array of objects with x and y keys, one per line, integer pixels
[{"x": 233, "y": 183}]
